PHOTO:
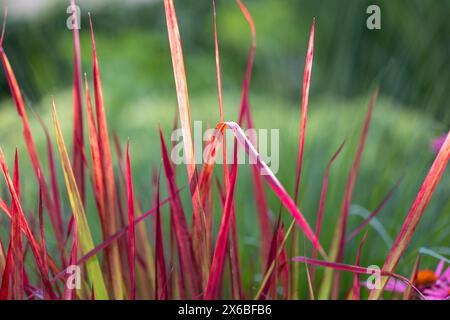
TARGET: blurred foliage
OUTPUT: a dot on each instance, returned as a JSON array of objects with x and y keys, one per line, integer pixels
[{"x": 408, "y": 57}]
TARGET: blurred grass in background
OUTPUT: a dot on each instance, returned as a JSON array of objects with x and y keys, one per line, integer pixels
[{"x": 408, "y": 58}]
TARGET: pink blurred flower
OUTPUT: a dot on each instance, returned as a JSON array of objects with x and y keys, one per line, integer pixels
[{"x": 433, "y": 285}]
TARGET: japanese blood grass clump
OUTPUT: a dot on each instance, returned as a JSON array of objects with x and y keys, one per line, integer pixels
[{"x": 196, "y": 263}]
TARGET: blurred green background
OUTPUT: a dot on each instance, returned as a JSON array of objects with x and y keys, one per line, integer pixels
[{"x": 407, "y": 58}]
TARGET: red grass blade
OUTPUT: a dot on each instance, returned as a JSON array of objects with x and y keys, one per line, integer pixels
[
  {"x": 4, "y": 290},
  {"x": 304, "y": 113},
  {"x": 131, "y": 240},
  {"x": 181, "y": 85},
  {"x": 199, "y": 229},
  {"x": 99, "y": 190},
  {"x": 16, "y": 241},
  {"x": 145, "y": 270},
  {"x": 2, "y": 258},
  {"x": 108, "y": 175},
  {"x": 219, "y": 252},
  {"x": 184, "y": 242},
  {"x": 354, "y": 269},
  {"x": 356, "y": 286},
  {"x": 251, "y": 57},
  {"x": 177, "y": 282},
  {"x": 302, "y": 134},
  {"x": 218, "y": 73},
  {"x": 161, "y": 290},
  {"x": 233, "y": 252},
  {"x": 416, "y": 212},
  {"x": 323, "y": 196},
  {"x": 42, "y": 232},
  {"x": 5, "y": 208},
  {"x": 78, "y": 135},
  {"x": 69, "y": 294},
  {"x": 283, "y": 265}
]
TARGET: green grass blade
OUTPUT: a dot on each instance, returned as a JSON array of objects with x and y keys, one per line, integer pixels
[{"x": 86, "y": 243}]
